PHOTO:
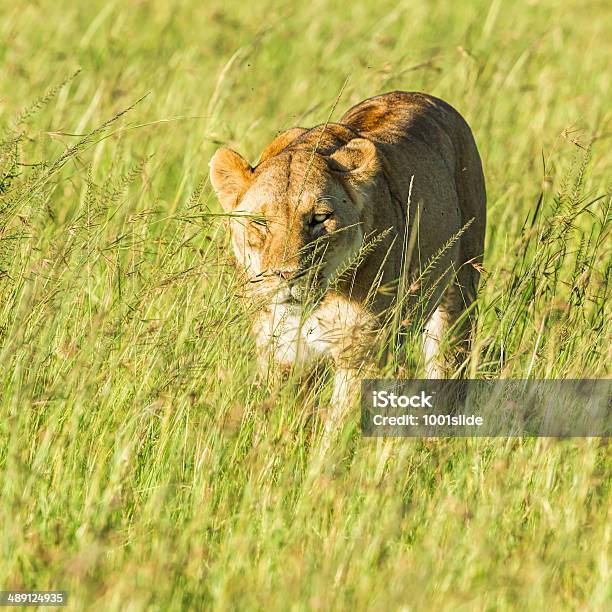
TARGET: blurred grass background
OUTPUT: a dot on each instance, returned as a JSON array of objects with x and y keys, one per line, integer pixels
[{"x": 140, "y": 466}]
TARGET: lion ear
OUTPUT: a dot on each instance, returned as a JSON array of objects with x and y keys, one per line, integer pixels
[
  {"x": 357, "y": 159},
  {"x": 230, "y": 175}
]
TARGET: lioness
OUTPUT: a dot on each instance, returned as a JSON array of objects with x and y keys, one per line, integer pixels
[{"x": 336, "y": 221}]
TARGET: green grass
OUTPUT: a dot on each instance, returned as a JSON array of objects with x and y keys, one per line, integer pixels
[{"x": 140, "y": 466}]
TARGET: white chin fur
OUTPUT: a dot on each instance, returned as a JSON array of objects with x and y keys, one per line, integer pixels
[
  {"x": 297, "y": 292},
  {"x": 290, "y": 339}
]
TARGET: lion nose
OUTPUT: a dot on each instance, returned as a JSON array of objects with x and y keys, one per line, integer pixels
[{"x": 285, "y": 274}]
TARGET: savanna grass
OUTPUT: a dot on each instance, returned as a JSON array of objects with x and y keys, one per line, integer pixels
[{"x": 142, "y": 467}]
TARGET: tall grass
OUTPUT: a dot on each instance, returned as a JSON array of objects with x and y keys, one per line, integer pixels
[{"x": 141, "y": 466}]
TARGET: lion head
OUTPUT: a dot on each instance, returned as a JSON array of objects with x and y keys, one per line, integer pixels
[{"x": 299, "y": 215}]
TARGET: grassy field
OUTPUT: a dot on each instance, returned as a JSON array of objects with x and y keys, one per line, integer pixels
[{"x": 140, "y": 466}]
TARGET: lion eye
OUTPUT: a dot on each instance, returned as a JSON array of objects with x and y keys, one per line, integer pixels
[{"x": 320, "y": 217}]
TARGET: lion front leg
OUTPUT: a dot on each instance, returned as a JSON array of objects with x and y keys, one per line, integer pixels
[
  {"x": 346, "y": 394},
  {"x": 448, "y": 331},
  {"x": 352, "y": 339},
  {"x": 347, "y": 387}
]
